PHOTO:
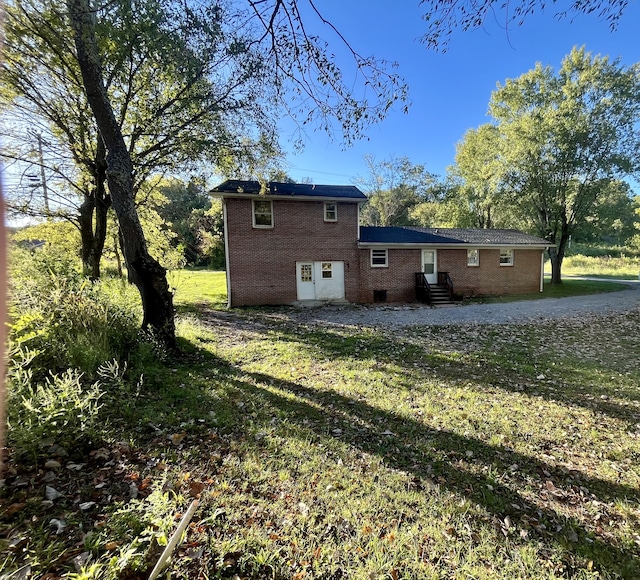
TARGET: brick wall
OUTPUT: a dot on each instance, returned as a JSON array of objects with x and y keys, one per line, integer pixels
[
  {"x": 262, "y": 262},
  {"x": 487, "y": 279},
  {"x": 398, "y": 279},
  {"x": 490, "y": 278}
]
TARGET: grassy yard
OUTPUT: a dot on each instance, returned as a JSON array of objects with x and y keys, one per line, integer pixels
[
  {"x": 626, "y": 268},
  {"x": 353, "y": 452},
  {"x": 569, "y": 287},
  {"x": 194, "y": 289}
]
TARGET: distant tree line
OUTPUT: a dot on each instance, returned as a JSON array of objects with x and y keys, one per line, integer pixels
[{"x": 556, "y": 162}]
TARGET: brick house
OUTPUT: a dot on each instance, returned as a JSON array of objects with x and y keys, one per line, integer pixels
[{"x": 298, "y": 242}]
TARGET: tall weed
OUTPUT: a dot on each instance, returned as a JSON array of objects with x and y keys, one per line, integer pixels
[
  {"x": 59, "y": 411},
  {"x": 66, "y": 320},
  {"x": 65, "y": 333}
]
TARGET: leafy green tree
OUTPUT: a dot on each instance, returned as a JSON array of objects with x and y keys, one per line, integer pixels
[
  {"x": 185, "y": 91},
  {"x": 613, "y": 218},
  {"x": 479, "y": 172},
  {"x": 394, "y": 187},
  {"x": 564, "y": 137},
  {"x": 60, "y": 234},
  {"x": 196, "y": 221}
]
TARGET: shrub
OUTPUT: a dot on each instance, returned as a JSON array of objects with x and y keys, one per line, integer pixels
[{"x": 65, "y": 320}]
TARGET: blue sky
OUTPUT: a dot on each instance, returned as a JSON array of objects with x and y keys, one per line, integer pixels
[{"x": 449, "y": 92}]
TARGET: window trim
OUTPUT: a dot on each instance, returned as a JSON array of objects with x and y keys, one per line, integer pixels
[
  {"x": 511, "y": 255},
  {"x": 335, "y": 211},
  {"x": 253, "y": 213},
  {"x": 386, "y": 257},
  {"x": 476, "y": 262},
  {"x": 329, "y": 270}
]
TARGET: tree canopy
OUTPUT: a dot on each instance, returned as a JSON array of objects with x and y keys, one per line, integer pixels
[
  {"x": 394, "y": 187},
  {"x": 563, "y": 139}
]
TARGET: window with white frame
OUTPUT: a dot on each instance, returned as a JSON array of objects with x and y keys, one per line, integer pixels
[
  {"x": 330, "y": 211},
  {"x": 262, "y": 213},
  {"x": 506, "y": 257},
  {"x": 327, "y": 270},
  {"x": 379, "y": 258},
  {"x": 473, "y": 257}
]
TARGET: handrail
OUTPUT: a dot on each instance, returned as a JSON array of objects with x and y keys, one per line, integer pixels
[
  {"x": 445, "y": 280},
  {"x": 423, "y": 288}
]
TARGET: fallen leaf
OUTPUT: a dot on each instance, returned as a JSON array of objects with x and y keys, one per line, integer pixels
[
  {"x": 177, "y": 438},
  {"x": 195, "y": 488},
  {"x": 51, "y": 493},
  {"x": 14, "y": 508},
  {"x": 60, "y": 525}
]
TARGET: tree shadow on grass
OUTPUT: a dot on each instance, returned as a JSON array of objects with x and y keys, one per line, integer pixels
[
  {"x": 408, "y": 445},
  {"x": 337, "y": 344}
]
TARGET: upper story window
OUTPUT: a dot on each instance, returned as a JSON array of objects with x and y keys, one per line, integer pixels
[
  {"x": 330, "y": 211},
  {"x": 506, "y": 257},
  {"x": 379, "y": 258},
  {"x": 473, "y": 257},
  {"x": 262, "y": 213}
]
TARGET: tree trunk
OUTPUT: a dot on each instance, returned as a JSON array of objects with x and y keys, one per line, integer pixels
[
  {"x": 556, "y": 254},
  {"x": 102, "y": 205},
  {"x": 116, "y": 250},
  {"x": 93, "y": 216},
  {"x": 145, "y": 272},
  {"x": 85, "y": 221}
]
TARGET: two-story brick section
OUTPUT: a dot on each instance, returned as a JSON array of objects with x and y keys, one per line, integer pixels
[{"x": 287, "y": 243}]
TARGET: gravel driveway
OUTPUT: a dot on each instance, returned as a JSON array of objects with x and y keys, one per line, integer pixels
[{"x": 403, "y": 315}]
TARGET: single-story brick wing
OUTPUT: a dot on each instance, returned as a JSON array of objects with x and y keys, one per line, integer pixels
[{"x": 287, "y": 243}]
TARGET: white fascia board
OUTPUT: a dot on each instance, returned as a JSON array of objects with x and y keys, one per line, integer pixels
[{"x": 409, "y": 246}]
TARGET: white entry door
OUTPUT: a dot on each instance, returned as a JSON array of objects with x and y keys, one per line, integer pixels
[
  {"x": 320, "y": 280},
  {"x": 305, "y": 281},
  {"x": 430, "y": 265}
]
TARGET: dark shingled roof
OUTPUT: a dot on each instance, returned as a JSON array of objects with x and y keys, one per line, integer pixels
[
  {"x": 470, "y": 236},
  {"x": 235, "y": 186},
  {"x": 398, "y": 235}
]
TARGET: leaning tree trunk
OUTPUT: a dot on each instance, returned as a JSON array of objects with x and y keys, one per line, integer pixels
[{"x": 144, "y": 271}]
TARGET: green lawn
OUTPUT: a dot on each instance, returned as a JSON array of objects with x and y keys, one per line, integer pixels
[
  {"x": 569, "y": 287},
  {"x": 197, "y": 288},
  {"x": 470, "y": 452},
  {"x": 497, "y": 451},
  {"x": 626, "y": 268}
]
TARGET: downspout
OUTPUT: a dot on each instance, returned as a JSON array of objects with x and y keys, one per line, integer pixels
[
  {"x": 542, "y": 271},
  {"x": 226, "y": 250}
]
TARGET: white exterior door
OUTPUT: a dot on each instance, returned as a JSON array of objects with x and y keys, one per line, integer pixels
[
  {"x": 430, "y": 265},
  {"x": 305, "y": 281},
  {"x": 329, "y": 280},
  {"x": 320, "y": 280}
]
